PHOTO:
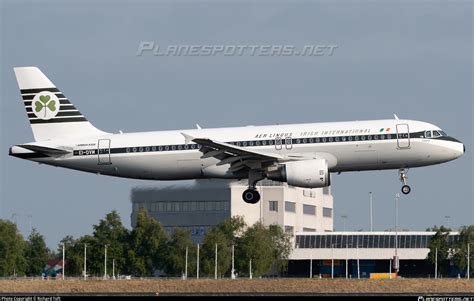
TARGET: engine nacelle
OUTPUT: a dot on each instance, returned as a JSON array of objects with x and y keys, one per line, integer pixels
[{"x": 306, "y": 174}]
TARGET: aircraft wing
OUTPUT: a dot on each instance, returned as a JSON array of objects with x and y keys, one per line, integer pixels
[{"x": 239, "y": 158}]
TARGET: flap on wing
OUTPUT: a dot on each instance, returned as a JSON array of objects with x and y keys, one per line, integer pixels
[{"x": 238, "y": 157}]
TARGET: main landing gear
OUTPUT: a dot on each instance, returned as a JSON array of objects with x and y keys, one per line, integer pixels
[
  {"x": 404, "y": 179},
  {"x": 251, "y": 195}
]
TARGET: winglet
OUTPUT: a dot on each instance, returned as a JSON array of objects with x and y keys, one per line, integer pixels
[
  {"x": 187, "y": 138},
  {"x": 395, "y": 116}
]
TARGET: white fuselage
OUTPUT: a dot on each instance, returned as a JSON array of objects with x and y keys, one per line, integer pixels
[{"x": 165, "y": 155}]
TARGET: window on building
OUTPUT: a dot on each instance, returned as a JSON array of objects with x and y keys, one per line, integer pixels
[
  {"x": 298, "y": 241},
  {"x": 202, "y": 205},
  {"x": 309, "y": 209},
  {"x": 187, "y": 206},
  {"x": 332, "y": 240},
  {"x": 365, "y": 241},
  {"x": 344, "y": 241},
  {"x": 327, "y": 212},
  {"x": 388, "y": 241},
  {"x": 326, "y": 241},
  {"x": 273, "y": 205},
  {"x": 226, "y": 205},
  {"x": 371, "y": 241},
  {"x": 381, "y": 241},
  {"x": 289, "y": 229},
  {"x": 392, "y": 241},
  {"x": 407, "y": 242},
  {"x": 318, "y": 241},
  {"x": 175, "y": 206},
  {"x": 290, "y": 206},
  {"x": 403, "y": 241},
  {"x": 311, "y": 240},
  {"x": 309, "y": 230},
  {"x": 351, "y": 240},
  {"x": 377, "y": 241},
  {"x": 359, "y": 241}
]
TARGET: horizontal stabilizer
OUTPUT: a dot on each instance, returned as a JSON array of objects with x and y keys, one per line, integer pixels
[{"x": 45, "y": 150}]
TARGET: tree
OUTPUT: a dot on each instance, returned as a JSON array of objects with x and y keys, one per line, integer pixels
[
  {"x": 74, "y": 249},
  {"x": 439, "y": 244},
  {"x": 111, "y": 232},
  {"x": 232, "y": 228},
  {"x": 466, "y": 236},
  {"x": 212, "y": 238},
  {"x": 36, "y": 254},
  {"x": 256, "y": 244},
  {"x": 282, "y": 247},
  {"x": 225, "y": 234},
  {"x": 175, "y": 263},
  {"x": 12, "y": 250},
  {"x": 147, "y": 244}
]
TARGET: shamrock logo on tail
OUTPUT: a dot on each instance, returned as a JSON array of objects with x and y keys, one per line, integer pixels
[{"x": 45, "y": 102}]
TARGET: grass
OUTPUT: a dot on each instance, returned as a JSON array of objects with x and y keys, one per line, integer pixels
[{"x": 225, "y": 286}]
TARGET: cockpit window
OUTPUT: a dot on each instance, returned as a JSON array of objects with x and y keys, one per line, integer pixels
[
  {"x": 436, "y": 134},
  {"x": 428, "y": 134},
  {"x": 443, "y": 133}
]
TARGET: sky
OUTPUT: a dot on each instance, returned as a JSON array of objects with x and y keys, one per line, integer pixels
[{"x": 410, "y": 58}]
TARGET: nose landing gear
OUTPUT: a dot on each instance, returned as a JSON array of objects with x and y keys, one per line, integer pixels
[{"x": 404, "y": 179}]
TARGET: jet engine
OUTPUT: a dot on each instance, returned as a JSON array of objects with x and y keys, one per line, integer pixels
[{"x": 306, "y": 173}]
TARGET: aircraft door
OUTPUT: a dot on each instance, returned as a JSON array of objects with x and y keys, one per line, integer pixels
[
  {"x": 403, "y": 136},
  {"x": 288, "y": 143},
  {"x": 103, "y": 151},
  {"x": 278, "y": 143}
]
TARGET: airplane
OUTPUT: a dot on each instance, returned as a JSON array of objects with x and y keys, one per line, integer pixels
[{"x": 302, "y": 155}]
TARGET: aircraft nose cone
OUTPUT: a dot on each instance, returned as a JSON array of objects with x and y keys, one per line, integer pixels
[{"x": 460, "y": 149}]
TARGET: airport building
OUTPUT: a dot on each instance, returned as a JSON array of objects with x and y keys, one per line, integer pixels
[
  {"x": 360, "y": 254},
  {"x": 306, "y": 213},
  {"x": 207, "y": 203}
]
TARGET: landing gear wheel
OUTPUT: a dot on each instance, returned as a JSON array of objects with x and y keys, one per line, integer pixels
[
  {"x": 251, "y": 196},
  {"x": 404, "y": 179},
  {"x": 406, "y": 189}
]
